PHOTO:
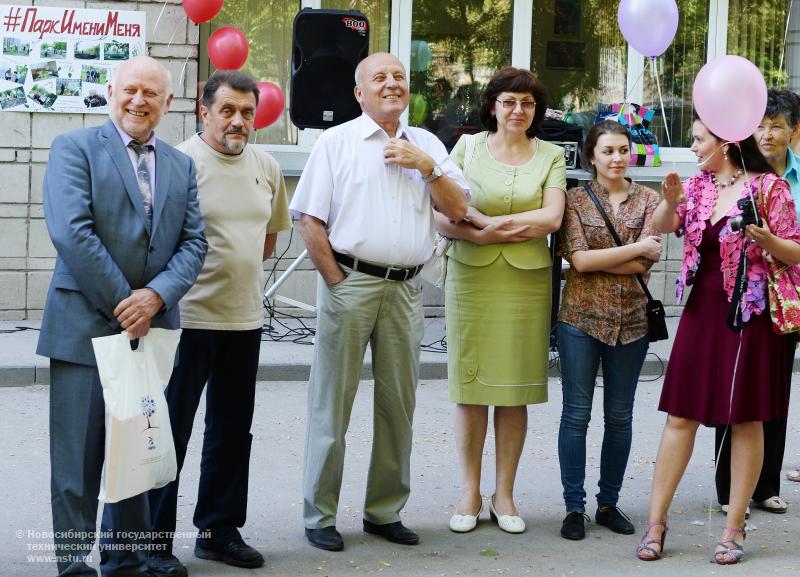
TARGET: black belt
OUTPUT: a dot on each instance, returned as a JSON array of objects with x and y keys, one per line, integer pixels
[{"x": 388, "y": 273}]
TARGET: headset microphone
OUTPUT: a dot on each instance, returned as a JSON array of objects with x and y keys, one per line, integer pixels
[{"x": 701, "y": 163}]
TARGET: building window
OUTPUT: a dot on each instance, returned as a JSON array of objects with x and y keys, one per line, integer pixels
[
  {"x": 456, "y": 47},
  {"x": 676, "y": 71},
  {"x": 756, "y": 31},
  {"x": 267, "y": 24},
  {"x": 579, "y": 54}
]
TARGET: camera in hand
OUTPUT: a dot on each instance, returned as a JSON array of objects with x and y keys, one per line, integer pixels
[{"x": 748, "y": 216}]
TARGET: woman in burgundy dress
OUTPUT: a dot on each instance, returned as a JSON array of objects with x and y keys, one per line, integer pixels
[{"x": 716, "y": 375}]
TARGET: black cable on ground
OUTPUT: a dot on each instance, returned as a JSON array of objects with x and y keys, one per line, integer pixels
[
  {"x": 17, "y": 330},
  {"x": 274, "y": 328}
]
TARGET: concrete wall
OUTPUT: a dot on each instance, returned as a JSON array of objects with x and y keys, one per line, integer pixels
[{"x": 26, "y": 254}]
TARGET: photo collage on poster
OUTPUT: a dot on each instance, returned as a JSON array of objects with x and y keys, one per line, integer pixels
[{"x": 66, "y": 72}]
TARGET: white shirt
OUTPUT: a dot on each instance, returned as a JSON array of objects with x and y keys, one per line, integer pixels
[{"x": 373, "y": 211}]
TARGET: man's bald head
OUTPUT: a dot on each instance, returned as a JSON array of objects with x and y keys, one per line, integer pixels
[
  {"x": 139, "y": 95},
  {"x": 370, "y": 60},
  {"x": 147, "y": 65}
]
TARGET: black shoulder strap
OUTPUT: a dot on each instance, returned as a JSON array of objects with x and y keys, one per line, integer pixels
[{"x": 614, "y": 234}]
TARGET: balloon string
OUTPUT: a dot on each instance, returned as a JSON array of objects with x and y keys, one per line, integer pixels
[
  {"x": 663, "y": 110},
  {"x": 633, "y": 87},
  {"x": 183, "y": 70},
  {"x": 739, "y": 306},
  {"x": 159, "y": 18},
  {"x": 177, "y": 24},
  {"x": 785, "y": 36}
]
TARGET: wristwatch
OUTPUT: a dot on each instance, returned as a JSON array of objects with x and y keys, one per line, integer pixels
[{"x": 435, "y": 173}]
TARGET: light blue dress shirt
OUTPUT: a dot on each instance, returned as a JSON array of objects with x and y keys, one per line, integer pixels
[{"x": 792, "y": 176}]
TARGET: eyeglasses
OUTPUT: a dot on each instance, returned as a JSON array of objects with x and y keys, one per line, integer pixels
[{"x": 511, "y": 104}]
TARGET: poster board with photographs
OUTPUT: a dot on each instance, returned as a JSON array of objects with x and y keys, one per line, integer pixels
[{"x": 62, "y": 59}]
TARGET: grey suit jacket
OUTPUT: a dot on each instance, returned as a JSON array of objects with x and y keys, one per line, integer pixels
[{"x": 96, "y": 220}]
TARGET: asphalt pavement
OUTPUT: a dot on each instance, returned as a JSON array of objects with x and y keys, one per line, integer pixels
[{"x": 275, "y": 524}]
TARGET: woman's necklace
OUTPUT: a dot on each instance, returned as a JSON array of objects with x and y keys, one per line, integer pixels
[{"x": 731, "y": 182}]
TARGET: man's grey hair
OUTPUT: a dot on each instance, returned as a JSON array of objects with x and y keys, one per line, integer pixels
[{"x": 358, "y": 73}]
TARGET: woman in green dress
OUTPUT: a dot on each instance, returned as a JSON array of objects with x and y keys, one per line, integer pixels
[{"x": 498, "y": 287}]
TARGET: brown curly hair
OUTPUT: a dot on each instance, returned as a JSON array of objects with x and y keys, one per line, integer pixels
[{"x": 510, "y": 79}]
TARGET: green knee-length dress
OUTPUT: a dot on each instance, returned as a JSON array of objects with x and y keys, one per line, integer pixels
[{"x": 497, "y": 297}]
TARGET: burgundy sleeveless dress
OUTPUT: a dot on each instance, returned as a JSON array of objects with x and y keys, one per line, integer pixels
[{"x": 703, "y": 363}]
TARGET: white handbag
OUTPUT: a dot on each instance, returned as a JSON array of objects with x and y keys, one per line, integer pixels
[
  {"x": 139, "y": 450},
  {"x": 435, "y": 270}
]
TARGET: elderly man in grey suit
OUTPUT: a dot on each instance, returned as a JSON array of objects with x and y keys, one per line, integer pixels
[{"x": 121, "y": 208}]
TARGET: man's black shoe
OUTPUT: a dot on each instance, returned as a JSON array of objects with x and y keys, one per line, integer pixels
[
  {"x": 572, "y": 527},
  {"x": 395, "y": 532},
  {"x": 327, "y": 538},
  {"x": 166, "y": 565},
  {"x": 611, "y": 517},
  {"x": 235, "y": 552}
]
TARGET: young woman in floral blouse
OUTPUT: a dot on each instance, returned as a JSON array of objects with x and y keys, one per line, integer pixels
[
  {"x": 602, "y": 320},
  {"x": 718, "y": 376}
]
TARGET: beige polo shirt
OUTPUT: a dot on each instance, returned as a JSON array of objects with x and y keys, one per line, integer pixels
[{"x": 242, "y": 198}]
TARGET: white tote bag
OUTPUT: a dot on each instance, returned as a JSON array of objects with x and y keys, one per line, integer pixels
[{"x": 139, "y": 451}]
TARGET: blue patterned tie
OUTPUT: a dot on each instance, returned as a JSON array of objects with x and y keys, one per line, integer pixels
[{"x": 143, "y": 177}]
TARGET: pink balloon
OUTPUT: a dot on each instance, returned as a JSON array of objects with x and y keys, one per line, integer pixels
[
  {"x": 200, "y": 11},
  {"x": 271, "y": 103},
  {"x": 730, "y": 96},
  {"x": 228, "y": 48},
  {"x": 648, "y": 25}
]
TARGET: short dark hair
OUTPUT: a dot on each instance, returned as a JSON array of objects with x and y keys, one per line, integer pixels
[
  {"x": 510, "y": 79},
  {"x": 745, "y": 154},
  {"x": 595, "y": 132},
  {"x": 785, "y": 103},
  {"x": 239, "y": 81}
]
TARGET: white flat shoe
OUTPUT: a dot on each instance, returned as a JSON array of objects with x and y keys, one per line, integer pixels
[
  {"x": 746, "y": 512},
  {"x": 508, "y": 523},
  {"x": 465, "y": 523},
  {"x": 774, "y": 505}
]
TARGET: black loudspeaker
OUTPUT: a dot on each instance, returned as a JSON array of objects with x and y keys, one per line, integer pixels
[{"x": 326, "y": 46}]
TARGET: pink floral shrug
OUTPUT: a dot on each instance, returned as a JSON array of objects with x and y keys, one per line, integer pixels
[{"x": 695, "y": 212}]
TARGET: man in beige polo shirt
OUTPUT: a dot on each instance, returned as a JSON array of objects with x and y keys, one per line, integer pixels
[{"x": 243, "y": 200}]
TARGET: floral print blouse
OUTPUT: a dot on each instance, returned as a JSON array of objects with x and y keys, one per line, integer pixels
[
  {"x": 695, "y": 212},
  {"x": 609, "y": 307}
]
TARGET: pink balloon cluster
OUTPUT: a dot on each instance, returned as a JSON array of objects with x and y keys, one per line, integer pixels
[
  {"x": 730, "y": 96},
  {"x": 648, "y": 25}
]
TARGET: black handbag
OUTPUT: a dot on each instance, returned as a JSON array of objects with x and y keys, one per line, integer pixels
[{"x": 656, "y": 316}]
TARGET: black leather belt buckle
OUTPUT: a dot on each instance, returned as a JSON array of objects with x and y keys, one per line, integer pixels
[{"x": 386, "y": 273}]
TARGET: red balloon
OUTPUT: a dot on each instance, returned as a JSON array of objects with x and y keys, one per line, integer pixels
[
  {"x": 228, "y": 48},
  {"x": 270, "y": 104},
  {"x": 200, "y": 11}
]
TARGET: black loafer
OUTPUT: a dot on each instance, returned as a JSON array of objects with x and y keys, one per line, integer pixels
[
  {"x": 327, "y": 538},
  {"x": 236, "y": 553},
  {"x": 166, "y": 565},
  {"x": 395, "y": 532},
  {"x": 613, "y": 518},
  {"x": 572, "y": 527}
]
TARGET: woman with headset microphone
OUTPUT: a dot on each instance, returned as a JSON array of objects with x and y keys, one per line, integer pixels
[{"x": 716, "y": 375}]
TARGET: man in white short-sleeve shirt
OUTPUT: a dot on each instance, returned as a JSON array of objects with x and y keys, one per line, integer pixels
[{"x": 365, "y": 203}]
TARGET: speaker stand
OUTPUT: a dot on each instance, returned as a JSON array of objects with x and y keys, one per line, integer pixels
[{"x": 270, "y": 292}]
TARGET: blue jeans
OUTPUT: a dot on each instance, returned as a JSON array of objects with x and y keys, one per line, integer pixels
[{"x": 580, "y": 356}]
